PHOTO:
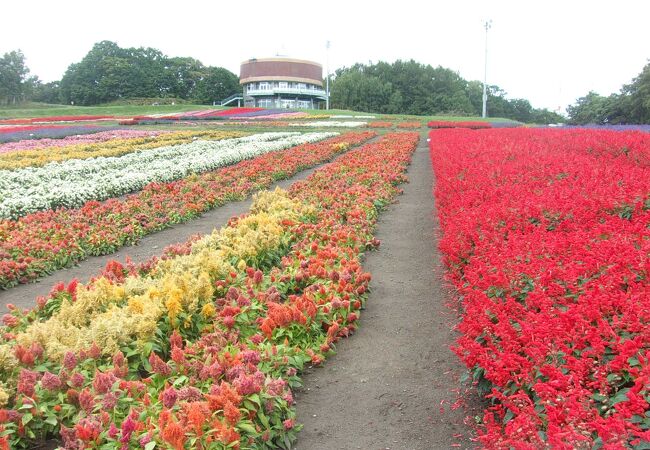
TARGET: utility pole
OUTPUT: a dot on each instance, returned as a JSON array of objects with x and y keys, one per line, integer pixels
[
  {"x": 488, "y": 25},
  {"x": 327, "y": 77}
]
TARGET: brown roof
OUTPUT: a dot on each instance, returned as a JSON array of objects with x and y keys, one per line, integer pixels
[{"x": 278, "y": 68}]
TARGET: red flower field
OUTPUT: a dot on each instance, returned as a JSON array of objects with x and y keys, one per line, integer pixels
[{"x": 547, "y": 240}]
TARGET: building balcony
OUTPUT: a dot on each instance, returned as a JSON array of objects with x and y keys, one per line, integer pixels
[{"x": 320, "y": 93}]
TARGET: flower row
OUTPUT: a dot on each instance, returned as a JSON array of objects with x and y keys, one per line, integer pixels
[
  {"x": 102, "y": 136},
  {"x": 380, "y": 124},
  {"x": 546, "y": 239},
  {"x": 115, "y": 147},
  {"x": 409, "y": 124},
  {"x": 201, "y": 349},
  {"x": 330, "y": 124},
  {"x": 39, "y": 243},
  {"x": 71, "y": 183},
  {"x": 13, "y": 134}
]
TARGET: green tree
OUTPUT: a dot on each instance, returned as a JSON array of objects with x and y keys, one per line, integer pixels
[
  {"x": 356, "y": 90},
  {"x": 47, "y": 92},
  {"x": 109, "y": 73},
  {"x": 630, "y": 106},
  {"x": 636, "y": 97},
  {"x": 216, "y": 84},
  {"x": 15, "y": 82},
  {"x": 592, "y": 108}
]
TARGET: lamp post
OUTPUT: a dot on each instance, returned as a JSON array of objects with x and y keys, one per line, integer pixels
[
  {"x": 488, "y": 25},
  {"x": 327, "y": 76}
]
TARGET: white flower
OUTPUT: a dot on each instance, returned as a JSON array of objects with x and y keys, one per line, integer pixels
[{"x": 73, "y": 182}]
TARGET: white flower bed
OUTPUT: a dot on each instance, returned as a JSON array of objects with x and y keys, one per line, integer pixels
[
  {"x": 73, "y": 182},
  {"x": 331, "y": 123}
]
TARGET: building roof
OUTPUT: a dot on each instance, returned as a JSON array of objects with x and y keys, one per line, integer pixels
[{"x": 281, "y": 69}]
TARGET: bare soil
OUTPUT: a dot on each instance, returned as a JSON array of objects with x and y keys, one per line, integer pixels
[{"x": 392, "y": 384}]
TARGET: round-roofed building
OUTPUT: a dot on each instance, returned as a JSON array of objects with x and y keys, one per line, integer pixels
[{"x": 282, "y": 83}]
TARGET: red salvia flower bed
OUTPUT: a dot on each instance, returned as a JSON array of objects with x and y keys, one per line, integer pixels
[{"x": 547, "y": 240}]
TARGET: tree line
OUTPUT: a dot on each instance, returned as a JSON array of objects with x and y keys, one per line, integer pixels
[
  {"x": 409, "y": 87},
  {"x": 630, "y": 106},
  {"x": 109, "y": 73}
]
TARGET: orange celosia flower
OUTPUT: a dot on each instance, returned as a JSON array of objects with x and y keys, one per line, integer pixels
[
  {"x": 174, "y": 434},
  {"x": 231, "y": 413}
]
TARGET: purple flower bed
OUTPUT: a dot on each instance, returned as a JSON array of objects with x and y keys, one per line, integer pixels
[
  {"x": 594, "y": 126},
  {"x": 505, "y": 124},
  {"x": 264, "y": 112},
  {"x": 51, "y": 133}
]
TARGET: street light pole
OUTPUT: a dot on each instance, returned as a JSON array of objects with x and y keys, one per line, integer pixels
[
  {"x": 327, "y": 79},
  {"x": 488, "y": 25}
]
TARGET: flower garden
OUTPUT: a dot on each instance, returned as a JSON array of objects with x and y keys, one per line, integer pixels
[
  {"x": 544, "y": 234},
  {"x": 547, "y": 240},
  {"x": 201, "y": 346}
]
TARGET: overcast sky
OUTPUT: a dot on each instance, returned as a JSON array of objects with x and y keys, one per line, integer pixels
[{"x": 550, "y": 52}]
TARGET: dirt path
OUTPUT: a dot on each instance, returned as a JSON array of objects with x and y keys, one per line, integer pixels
[
  {"x": 24, "y": 295},
  {"x": 387, "y": 386}
]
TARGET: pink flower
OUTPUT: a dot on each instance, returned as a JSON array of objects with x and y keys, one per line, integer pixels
[
  {"x": 103, "y": 382},
  {"x": 51, "y": 382},
  {"x": 86, "y": 401},
  {"x": 113, "y": 431},
  {"x": 289, "y": 424},
  {"x": 276, "y": 387},
  {"x": 158, "y": 365},
  {"x": 189, "y": 394},
  {"x": 249, "y": 384},
  {"x": 169, "y": 397},
  {"x": 109, "y": 401},
  {"x": 128, "y": 427},
  {"x": 69, "y": 360},
  {"x": 144, "y": 440},
  {"x": 10, "y": 320},
  {"x": 26, "y": 382},
  {"x": 77, "y": 379}
]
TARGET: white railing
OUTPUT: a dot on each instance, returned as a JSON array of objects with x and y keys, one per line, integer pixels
[{"x": 279, "y": 90}]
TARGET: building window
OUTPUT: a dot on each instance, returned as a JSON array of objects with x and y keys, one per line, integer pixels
[
  {"x": 265, "y": 103},
  {"x": 251, "y": 87},
  {"x": 302, "y": 86},
  {"x": 304, "y": 104},
  {"x": 284, "y": 85},
  {"x": 265, "y": 86}
]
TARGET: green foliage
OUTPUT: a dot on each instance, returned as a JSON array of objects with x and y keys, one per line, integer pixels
[
  {"x": 409, "y": 87},
  {"x": 109, "y": 73},
  {"x": 592, "y": 108},
  {"x": 630, "y": 106},
  {"x": 15, "y": 83}
]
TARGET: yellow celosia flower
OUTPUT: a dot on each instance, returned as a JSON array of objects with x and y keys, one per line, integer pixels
[
  {"x": 8, "y": 360},
  {"x": 4, "y": 398},
  {"x": 208, "y": 310},
  {"x": 136, "y": 306},
  {"x": 115, "y": 315},
  {"x": 173, "y": 304}
]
